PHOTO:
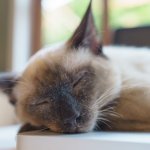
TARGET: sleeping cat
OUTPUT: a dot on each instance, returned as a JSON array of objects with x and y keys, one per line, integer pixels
[{"x": 79, "y": 86}]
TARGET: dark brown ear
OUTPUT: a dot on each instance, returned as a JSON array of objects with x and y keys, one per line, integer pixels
[
  {"x": 86, "y": 35},
  {"x": 7, "y": 82}
]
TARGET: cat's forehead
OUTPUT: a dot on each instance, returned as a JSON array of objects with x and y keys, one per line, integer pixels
[
  {"x": 52, "y": 67},
  {"x": 56, "y": 59}
]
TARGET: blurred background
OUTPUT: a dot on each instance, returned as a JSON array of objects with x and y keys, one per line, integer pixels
[{"x": 28, "y": 25}]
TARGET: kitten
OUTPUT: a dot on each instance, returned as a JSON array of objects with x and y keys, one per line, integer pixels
[{"x": 77, "y": 86}]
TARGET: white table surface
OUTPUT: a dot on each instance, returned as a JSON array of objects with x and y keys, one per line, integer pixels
[
  {"x": 8, "y": 136},
  {"x": 89, "y": 141}
]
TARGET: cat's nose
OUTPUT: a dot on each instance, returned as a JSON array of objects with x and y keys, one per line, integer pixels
[
  {"x": 71, "y": 121},
  {"x": 69, "y": 112}
]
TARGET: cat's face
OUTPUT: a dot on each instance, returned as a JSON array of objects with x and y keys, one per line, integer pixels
[
  {"x": 63, "y": 88},
  {"x": 60, "y": 90}
]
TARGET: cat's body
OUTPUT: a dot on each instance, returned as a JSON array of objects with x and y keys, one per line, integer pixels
[
  {"x": 134, "y": 101},
  {"x": 78, "y": 86}
]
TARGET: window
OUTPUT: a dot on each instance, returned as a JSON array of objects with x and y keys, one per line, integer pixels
[
  {"x": 60, "y": 18},
  {"x": 129, "y": 13}
]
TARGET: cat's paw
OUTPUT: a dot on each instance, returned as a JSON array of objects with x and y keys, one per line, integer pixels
[{"x": 28, "y": 127}]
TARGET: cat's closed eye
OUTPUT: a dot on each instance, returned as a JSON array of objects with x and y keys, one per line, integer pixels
[
  {"x": 79, "y": 77},
  {"x": 40, "y": 102}
]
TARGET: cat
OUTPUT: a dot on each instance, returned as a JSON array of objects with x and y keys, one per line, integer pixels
[{"x": 79, "y": 86}]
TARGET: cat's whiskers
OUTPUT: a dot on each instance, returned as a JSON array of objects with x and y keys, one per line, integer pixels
[
  {"x": 104, "y": 121},
  {"x": 101, "y": 101},
  {"x": 109, "y": 112},
  {"x": 97, "y": 127},
  {"x": 109, "y": 92}
]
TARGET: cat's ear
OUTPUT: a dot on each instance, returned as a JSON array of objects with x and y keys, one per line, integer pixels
[
  {"x": 86, "y": 35},
  {"x": 7, "y": 83}
]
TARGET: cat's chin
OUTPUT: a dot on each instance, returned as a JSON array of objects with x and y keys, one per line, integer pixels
[
  {"x": 70, "y": 131},
  {"x": 76, "y": 131}
]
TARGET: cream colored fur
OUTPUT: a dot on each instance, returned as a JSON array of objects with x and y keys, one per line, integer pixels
[{"x": 134, "y": 103}]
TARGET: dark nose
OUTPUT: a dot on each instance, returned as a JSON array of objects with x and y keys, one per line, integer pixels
[
  {"x": 72, "y": 121},
  {"x": 69, "y": 108},
  {"x": 69, "y": 115}
]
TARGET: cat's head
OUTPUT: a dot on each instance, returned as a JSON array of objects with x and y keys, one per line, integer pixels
[{"x": 65, "y": 88}]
